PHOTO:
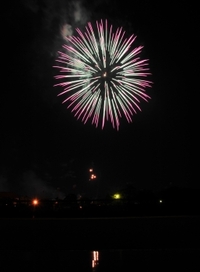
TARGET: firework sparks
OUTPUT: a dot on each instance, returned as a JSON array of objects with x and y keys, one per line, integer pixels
[{"x": 102, "y": 75}]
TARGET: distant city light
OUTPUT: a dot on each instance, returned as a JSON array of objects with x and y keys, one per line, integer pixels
[
  {"x": 35, "y": 202},
  {"x": 116, "y": 196}
]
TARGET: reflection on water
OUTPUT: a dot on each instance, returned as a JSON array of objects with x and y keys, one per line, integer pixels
[
  {"x": 104, "y": 260},
  {"x": 95, "y": 260}
]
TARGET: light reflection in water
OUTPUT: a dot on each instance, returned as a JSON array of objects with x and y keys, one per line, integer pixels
[{"x": 95, "y": 259}]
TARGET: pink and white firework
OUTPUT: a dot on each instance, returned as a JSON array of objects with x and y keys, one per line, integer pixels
[{"x": 102, "y": 75}]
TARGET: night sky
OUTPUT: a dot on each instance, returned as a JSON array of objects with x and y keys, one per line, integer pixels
[{"x": 43, "y": 147}]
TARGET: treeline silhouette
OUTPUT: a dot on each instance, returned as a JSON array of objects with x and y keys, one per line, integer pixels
[{"x": 173, "y": 201}]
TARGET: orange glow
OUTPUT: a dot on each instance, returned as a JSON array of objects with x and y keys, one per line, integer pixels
[
  {"x": 93, "y": 176},
  {"x": 35, "y": 202},
  {"x": 90, "y": 170},
  {"x": 95, "y": 258}
]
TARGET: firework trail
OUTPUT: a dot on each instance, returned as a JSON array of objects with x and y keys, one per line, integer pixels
[{"x": 102, "y": 75}]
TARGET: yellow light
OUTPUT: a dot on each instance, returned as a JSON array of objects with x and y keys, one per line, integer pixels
[{"x": 117, "y": 196}]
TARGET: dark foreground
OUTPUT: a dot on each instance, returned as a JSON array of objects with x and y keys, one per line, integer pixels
[
  {"x": 119, "y": 241},
  {"x": 101, "y": 233}
]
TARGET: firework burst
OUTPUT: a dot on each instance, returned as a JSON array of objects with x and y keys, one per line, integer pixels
[{"x": 102, "y": 75}]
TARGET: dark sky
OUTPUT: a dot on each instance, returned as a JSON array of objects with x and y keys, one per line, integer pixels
[{"x": 43, "y": 144}]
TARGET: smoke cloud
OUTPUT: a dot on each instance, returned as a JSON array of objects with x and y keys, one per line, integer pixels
[
  {"x": 33, "y": 186},
  {"x": 61, "y": 14}
]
